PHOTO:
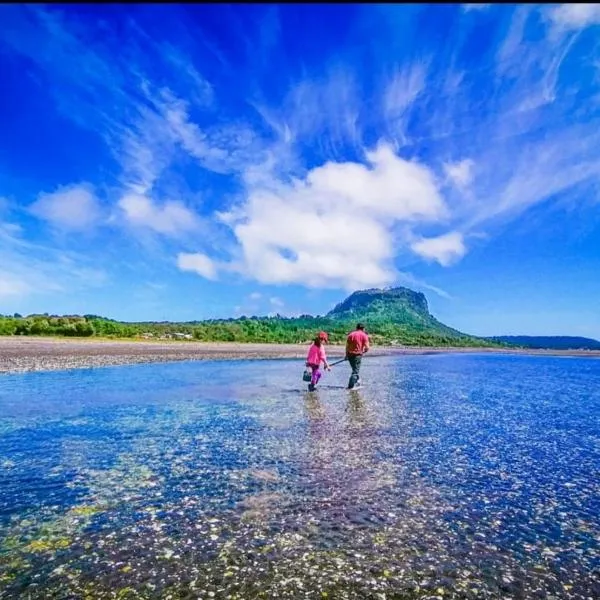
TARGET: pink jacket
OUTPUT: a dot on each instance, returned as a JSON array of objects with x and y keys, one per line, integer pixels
[{"x": 316, "y": 354}]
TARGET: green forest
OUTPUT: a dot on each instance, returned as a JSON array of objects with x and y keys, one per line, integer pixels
[
  {"x": 276, "y": 329},
  {"x": 392, "y": 316}
]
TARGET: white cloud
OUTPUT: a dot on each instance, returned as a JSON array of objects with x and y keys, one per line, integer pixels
[
  {"x": 392, "y": 188},
  {"x": 470, "y": 7},
  {"x": 276, "y": 302},
  {"x": 171, "y": 218},
  {"x": 255, "y": 296},
  {"x": 197, "y": 263},
  {"x": 575, "y": 16},
  {"x": 460, "y": 173},
  {"x": 335, "y": 227},
  {"x": 445, "y": 249},
  {"x": 70, "y": 207}
]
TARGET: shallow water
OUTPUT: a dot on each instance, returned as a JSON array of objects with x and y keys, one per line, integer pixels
[{"x": 447, "y": 476}]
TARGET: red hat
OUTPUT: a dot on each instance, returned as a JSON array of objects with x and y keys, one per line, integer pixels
[{"x": 323, "y": 336}]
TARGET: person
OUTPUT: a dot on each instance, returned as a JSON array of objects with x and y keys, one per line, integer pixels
[
  {"x": 316, "y": 355},
  {"x": 357, "y": 344}
]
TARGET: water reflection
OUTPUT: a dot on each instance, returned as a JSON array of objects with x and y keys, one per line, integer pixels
[
  {"x": 356, "y": 410},
  {"x": 314, "y": 409},
  {"x": 453, "y": 477}
]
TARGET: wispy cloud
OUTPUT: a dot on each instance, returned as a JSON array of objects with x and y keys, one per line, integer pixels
[
  {"x": 402, "y": 91},
  {"x": 30, "y": 269},
  {"x": 411, "y": 281},
  {"x": 322, "y": 112},
  {"x": 345, "y": 157}
]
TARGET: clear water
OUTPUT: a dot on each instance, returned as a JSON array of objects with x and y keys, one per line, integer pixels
[{"x": 449, "y": 476}]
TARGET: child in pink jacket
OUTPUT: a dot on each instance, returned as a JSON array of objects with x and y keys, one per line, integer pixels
[{"x": 316, "y": 355}]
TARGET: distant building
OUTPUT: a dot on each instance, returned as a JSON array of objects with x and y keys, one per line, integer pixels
[{"x": 182, "y": 336}]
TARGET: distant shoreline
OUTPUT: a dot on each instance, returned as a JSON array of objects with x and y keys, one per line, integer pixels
[{"x": 27, "y": 354}]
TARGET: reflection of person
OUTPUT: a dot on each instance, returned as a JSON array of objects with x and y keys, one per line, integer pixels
[
  {"x": 356, "y": 409},
  {"x": 316, "y": 355},
  {"x": 357, "y": 343},
  {"x": 314, "y": 409}
]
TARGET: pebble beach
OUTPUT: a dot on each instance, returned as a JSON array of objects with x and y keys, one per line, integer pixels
[{"x": 26, "y": 354}]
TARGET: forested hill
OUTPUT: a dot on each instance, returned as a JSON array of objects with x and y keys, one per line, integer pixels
[
  {"x": 392, "y": 316},
  {"x": 399, "y": 306},
  {"x": 558, "y": 342}
]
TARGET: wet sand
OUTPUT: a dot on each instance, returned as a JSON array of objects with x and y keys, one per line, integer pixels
[{"x": 24, "y": 354}]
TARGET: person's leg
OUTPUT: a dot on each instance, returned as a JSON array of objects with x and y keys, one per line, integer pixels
[
  {"x": 316, "y": 375},
  {"x": 354, "y": 361},
  {"x": 358, "y": 363}
]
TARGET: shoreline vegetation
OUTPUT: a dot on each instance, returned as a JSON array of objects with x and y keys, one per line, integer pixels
[
  {"x": 19, "y": 354},
  {"x": 401, "y": 328}
]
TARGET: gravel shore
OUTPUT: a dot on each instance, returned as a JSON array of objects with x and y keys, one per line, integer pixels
[{"x": 24, "y": 354}]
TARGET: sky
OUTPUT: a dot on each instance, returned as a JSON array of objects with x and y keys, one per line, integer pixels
[{"x": 184, "y": 162}]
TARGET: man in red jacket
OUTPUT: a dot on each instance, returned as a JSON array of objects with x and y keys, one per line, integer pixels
[{"x": 357, "y": 343}]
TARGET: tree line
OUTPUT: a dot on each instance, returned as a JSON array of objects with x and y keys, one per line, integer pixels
[{"x": 277, "y": 329}]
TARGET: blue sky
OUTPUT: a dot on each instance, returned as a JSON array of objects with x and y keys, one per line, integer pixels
[{"x": 183, "y": 162}]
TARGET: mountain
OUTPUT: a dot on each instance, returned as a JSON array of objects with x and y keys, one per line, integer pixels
[
  {"x": 552, "y": 342},
  {"x": 397, "y": 306}
]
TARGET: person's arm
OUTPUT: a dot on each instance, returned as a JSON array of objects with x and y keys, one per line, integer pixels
[
  {"x": 324, "y": 359},
  {"x": 367, "y": 346}
]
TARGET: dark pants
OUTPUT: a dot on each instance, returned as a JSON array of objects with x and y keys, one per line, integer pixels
[{"x": 354, "y": 360}]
